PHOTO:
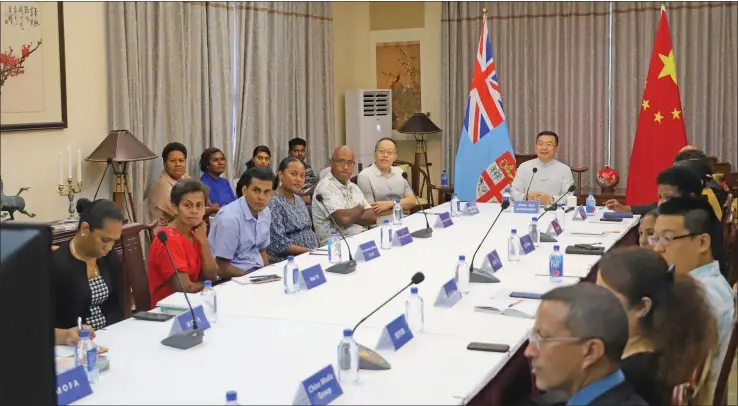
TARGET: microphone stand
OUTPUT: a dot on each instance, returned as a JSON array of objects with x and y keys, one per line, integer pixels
[
  {"x": 549, "y": 238},
  {"x": 535, "y": 170},
  {"x": 346, "y": 267},
  {"x": 426, "y": 232},
  {"x": 477, "y": 275}
]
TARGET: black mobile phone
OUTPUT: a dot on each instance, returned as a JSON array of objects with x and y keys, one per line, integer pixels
[
  {"x": 569, "y": 209},
  {"x": 525, "y": 295},
  {"x": 614, "y": 220},
  {"x": 151, "y": 316},
  {"x": 488, "y": 347}
]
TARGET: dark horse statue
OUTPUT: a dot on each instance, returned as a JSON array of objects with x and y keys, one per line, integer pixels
[{"x": 13, "y": 204}]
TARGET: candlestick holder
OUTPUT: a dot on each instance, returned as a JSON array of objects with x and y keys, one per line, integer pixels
[{"x": 70, "y": 190}]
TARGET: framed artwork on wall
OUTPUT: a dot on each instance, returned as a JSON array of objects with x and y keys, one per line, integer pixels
[
  {"x": 398, "y": 69},
  {"x": 33, "y": 91}
]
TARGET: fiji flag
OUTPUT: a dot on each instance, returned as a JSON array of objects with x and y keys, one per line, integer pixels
[{"x": 485, "y": 163}]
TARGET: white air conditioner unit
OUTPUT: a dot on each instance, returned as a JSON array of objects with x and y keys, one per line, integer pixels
[{"x": 368, "y": 118}]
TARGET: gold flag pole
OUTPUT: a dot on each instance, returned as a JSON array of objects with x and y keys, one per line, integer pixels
[{"x": 484, "y": 12}]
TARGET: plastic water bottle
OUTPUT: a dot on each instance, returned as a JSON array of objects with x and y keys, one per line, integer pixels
[
  {"x": 232, "y": 398},
  {"x": 513, "y": 246},
  {"x": 385, "y": 235},
  {"x": 414, "y": 311},
  {"x": 334, "y": 249},
  {"x": 591, "y": 203},
  {"x": 506, "y": 195},
  {"x": 397, "y": 214},
  {"x": 454, "y": 205},
  {"x": 444, "y": 178},
  {"x": 85, "y": 354},
  {"x": 210, "y": 302},
  {"x": 291, "y": 276},
  {"x": 348, "y": 358},
  {"x": 556, "y": 265},
  {"x": 462, "y": 275},
  {"x": 535, "y": 233},
  {"x": 561, "y": 216}
]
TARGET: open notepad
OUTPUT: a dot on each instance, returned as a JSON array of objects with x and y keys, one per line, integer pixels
[{"x": 510, "y": 306}]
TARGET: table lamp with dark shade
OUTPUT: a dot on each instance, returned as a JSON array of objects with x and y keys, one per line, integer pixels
[
  {"x": 419, "y": 125},
  {"x": 118, "y": 149}
]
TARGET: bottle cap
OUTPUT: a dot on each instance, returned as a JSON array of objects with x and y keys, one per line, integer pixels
[
  {"x": 84, "y": 334},
  {"x": 561, "y": 205},
  {"x": 386, "y": 221},
  {"x": 231, "y": 396},
  {"x": 208, "y": 284},
  {"x": 534, "y": 219},
  {"x": 414, "y": 289},
  {"x": 290, "y": 258},
  {"x": 556, "y": 247},
  {"x": 397, "y": 201},
  {"x": 333, "y": 233},
  {"x": 347, "y": 332},
  {"x": 590, "y": 193},
  {"x": 462, "y": 257},
  {"x": 513, "y": 231}
]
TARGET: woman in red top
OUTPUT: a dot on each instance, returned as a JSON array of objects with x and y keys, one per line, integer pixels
[{"x": 187, "y": 240}]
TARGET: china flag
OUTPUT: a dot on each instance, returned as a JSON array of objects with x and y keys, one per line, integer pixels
[{"x": 660, "y": 133}]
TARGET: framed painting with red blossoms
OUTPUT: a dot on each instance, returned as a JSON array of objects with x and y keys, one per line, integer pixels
[{"x": 33, "y": 92}]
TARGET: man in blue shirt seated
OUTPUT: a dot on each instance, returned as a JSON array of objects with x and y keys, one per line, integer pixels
[
  {"x": 576, "y": 345},
  {"x": 239, "y": 235}
]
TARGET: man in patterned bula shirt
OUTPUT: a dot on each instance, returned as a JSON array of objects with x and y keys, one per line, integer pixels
[{"x": 342, "y": 199}]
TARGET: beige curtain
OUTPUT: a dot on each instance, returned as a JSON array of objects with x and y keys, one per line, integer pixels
[
  {"x": 705, "y": 40},
  {"x": 552, "y": 64},
  {"x": 284, "y": 81},
  {"x": 170, "y": 70}
]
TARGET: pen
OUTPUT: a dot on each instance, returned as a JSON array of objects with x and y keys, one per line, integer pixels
[
  {"x": 79, "y": 323},
  {"x": 515, "y": 302}
]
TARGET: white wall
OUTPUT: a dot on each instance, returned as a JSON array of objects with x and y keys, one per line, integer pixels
[{"x": 29, "y": 158}]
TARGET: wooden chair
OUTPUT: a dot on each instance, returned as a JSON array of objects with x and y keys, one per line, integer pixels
[
  {"x": 721, "y": 387},
  {"x": 684, "y": 394},
  {"x": 425, "y": 187}
]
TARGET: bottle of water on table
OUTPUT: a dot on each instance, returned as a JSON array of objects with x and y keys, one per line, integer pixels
[
  {"x": 348, "y": 358},
  {"x": 210, "y": 302},
  {"x": 454, "y": 205},
  {"x": 397, "y": 213},
  {"x": 506, "y": 195},
  {"x": 535, "y": 233},
  {"x": 561, "y": 215},
  {"x": 232, "y": 398},
  {"x": 556, "y": 265},
  {"x": 414, "y": 311},
  {"x": 334, "y": 249},
  {"x": 444, "y": 178},
  {"x": 590, "y": 205},
  {"x": 386, "y": 235},
  {"x": 291, "y": 276},
  {"x": 462, "y": 275},
  {"x": 85, "y": 354},
  {"x": 513, "y": 246}
]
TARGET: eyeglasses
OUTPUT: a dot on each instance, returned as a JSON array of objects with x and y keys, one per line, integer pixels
[
  {"x": 536, "y": 340},
  {"x": 666, "y": 240},
  {"x": 344, "y": 162},
  {"x": 387, "y": 152}
]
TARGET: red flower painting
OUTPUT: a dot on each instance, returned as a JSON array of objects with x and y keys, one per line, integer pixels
[{"x": 11, "y": 65}]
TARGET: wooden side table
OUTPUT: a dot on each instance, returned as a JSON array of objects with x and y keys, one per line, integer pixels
[
  {"x": 601, "y": 196},
  {"x": 444, "y": 194}
]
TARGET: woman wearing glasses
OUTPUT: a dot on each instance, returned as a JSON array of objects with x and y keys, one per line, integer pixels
[{"x": 382, "y": 184}]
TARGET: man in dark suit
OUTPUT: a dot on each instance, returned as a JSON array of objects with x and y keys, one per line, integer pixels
[{"x": 576, "y": 345}]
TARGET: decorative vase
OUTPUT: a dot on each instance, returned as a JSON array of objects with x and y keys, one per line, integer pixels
[{"x": 607, "y": 179}]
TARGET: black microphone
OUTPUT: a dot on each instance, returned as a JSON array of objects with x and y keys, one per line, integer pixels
[
  {"x": 368, "y": 358},
  {"x": 185, "y": 339},
  {"x": 427, "y": 232},
  {"x": 478, "y": 275},
  {"x": 341, "y": 267},
  {"x": 530, "y": 183},
  {"x": 549, "y": 238}
]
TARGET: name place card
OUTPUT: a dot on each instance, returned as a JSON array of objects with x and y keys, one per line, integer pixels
[
  {"x": 312, "y": 277},
  {"x": 368, "y": 251},
  {"x": 555, "y": 228},
  {"x": 444, "y": 220},
  {"x": 72, "y": 385},
  {"x": 402, "y": 237},
  {"x": 492, "y": 262},
  {"x": 395, "y": 334},
  {"x": 579, "y": 214},
  {"x": 183, "y": 321},
  {"x": 471, "y": 208},
  {"x": 526, "y": 243},
  {"x": 321, "y": 388},
  {"x": 526, "y": 207},
  {"x": 448, "y": 295}
]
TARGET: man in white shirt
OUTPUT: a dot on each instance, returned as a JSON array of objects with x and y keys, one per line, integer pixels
[{"x": 552, "y": 178}]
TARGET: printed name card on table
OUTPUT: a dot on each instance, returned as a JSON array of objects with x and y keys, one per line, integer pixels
[
  {"x": 72, "y": 385},
  {"x": 554, "y": 229},
  {"x": 579, "y": 214},
  {"x": 444, "y": 220},
  {"x": 183, "y": 321},
  {"x": 492, "y": 262},
  {"x": 526, "y": 243},
  {"x": 471, "y": 208},
  {"x": 402, "y": 237},
  {"x": 526, "y": 207},
  {"x": 448, "y": 295},
  {"x": 321, "y": 388},
  {"x": 368, "y": 251},
  {"x": 396, "y": 334},
  {"x": 312, "y": 277}
]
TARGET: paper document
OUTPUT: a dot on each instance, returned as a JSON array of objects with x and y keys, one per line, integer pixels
[{"x": 510, "y": 306}]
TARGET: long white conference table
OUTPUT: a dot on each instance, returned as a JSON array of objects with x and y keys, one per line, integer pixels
[{"x": 266, "y": 343}]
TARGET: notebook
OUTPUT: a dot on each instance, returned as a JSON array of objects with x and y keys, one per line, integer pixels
[{"x": 510, "y": 306}]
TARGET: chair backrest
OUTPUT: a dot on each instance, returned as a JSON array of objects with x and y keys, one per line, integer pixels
[
  {"x": 424, "y": 187},
  {"x": 135, "y": 276},
  {"x": 721, "y": 387}
]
